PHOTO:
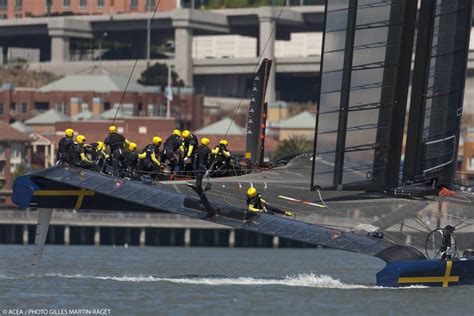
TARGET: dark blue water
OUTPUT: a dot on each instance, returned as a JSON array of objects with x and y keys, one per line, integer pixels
[{"x": 213, "y": 281}]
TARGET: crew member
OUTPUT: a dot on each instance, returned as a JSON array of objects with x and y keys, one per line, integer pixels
[
  {"x": 101, "y": 156},
  {"x": 149, "y": 158},
  {"x": 116, "y": 144},
  {"x": 257, "y": 204},
  {"x": 65, "y": 146},
  {"x": 131, "y": 159},
  {"x": 79, "y": 157},
  {"x": 221, "y": 157},
  {"x": 446, "y": 250},
  {"x": 201, "y": 160},
  {"x": 188, "y": 148},
  {"x": 170, "y": 150}
]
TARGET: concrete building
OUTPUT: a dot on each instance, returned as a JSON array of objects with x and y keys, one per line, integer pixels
[{"x": 10, "y": 9}]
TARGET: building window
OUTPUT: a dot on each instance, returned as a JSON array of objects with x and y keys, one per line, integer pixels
[
  {"x": 66, "y": 4},
  {"x": 18, "y": 4},
  {"x": 150, "y": 5},
  {"x": 3, "y": 4},
  {"x": 41, "y": 106},
  {"x": 24, "y": 107},
  {"x": 134, "y": 5},
  {"x": 82, "y": 4},
  {"x": 1, "y": 108},
  {"x": 100, "y": 4}
]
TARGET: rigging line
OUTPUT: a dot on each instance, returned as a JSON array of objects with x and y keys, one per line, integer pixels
[
  {"x": 256, "y": 67},
  {"x": 414, "y": 228},
  {"x": 134, "y": 65},
  {"x": 462, "y": 227},
  {"x": 423, "y": 224}
]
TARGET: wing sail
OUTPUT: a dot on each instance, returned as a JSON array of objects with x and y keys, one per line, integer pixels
[
  {"x": 438, "y": 90},
  {"x": 365, "y": 69}
]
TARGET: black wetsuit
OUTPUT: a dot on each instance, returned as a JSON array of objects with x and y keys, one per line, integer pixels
[
  {"x": 170, "y": 147},
  {"x": 116, "y": 143},
  {"x": 201, "y": 161},
  {"x": 446, "y": 242},
  {"x": 192, "y": 140},
  {"x": 131, "y": 162},
  {"x": 64, "y": 149},
  {"x": 257, "y": 203},
  {"x": 146, "y": 164},
  {"x": 221, "y": 163},
  {"x": 76, "y": 158}
]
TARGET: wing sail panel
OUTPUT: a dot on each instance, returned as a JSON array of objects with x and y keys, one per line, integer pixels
[
  {"x": 438, "y": 90},
  {"x": 364, "y": 85}
]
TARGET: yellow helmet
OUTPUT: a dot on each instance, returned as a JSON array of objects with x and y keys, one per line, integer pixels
[
  {"x": 205, "y": 141},
  {"x": 80, "y": 139},
  {"x": 224, "y": 142},
  {"x": 157, "y": 140},
  {"x": 112, "y": 129},
  {"x": 186, "y": 133},
  {"x": 69, "y": 132},
  {"x": 132, "y": 146},
  {"x": 252, "y": 192},
  {"x": 100, "y": 145},
  {"x": 177, "y": 132}
]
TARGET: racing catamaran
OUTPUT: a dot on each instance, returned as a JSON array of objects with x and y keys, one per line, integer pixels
[{"x": 351, "y": 192}]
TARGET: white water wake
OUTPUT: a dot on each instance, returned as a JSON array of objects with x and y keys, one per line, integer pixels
[{"x": 299, "y": 280}]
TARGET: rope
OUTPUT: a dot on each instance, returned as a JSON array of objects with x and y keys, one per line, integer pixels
[
  {"x": 134, "y": 65},
  {"x": 256, "y": 67}
]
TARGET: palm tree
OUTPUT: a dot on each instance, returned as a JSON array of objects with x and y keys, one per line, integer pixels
[{"x": 292, "y": 146}]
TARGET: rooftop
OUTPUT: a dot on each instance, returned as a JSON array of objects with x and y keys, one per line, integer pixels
[
  {"x": 223, "y": 127},
  {"x": 101, "y": 83},
  {"x": 49, "y": 117},
  {"x": 8, "y": 133},
  {"x": 303, "y": 120},
  {"x": 22, "y": 128}
]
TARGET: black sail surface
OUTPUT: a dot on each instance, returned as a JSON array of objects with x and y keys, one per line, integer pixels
[
  {"x": 438, "y": 90},
  {"x": 365, "y": 72}
]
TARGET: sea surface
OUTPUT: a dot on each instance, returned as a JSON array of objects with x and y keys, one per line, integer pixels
[{"x": 210, "y": 281}]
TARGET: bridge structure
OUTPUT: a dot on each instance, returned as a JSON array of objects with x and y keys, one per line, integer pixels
[{"x": 57, "y": 37}]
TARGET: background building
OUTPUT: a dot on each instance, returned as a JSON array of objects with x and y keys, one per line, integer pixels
[{"x": 32, "y": 8}]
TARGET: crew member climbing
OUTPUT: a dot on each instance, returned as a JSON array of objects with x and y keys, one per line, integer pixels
[{"x": 256, "y": 204}]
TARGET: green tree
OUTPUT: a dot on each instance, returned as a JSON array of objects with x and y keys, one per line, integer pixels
[
  {"x": 157, "y": 75},
  {"x": 292, "y": 146}
]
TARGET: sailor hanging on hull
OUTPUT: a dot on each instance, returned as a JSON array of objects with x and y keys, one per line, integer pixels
[
  {"x": 171, "y": 150},
  {"x": 256, "y": 204},
  {"x": 149, "y": 157},
  {"x": 201, "y": 161},
  {"x": 65, "y": 147},
  {"x": 78, "y": 154},
  {"x": 116, "y": 143},
  {"x": 188, "y": 149}
]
